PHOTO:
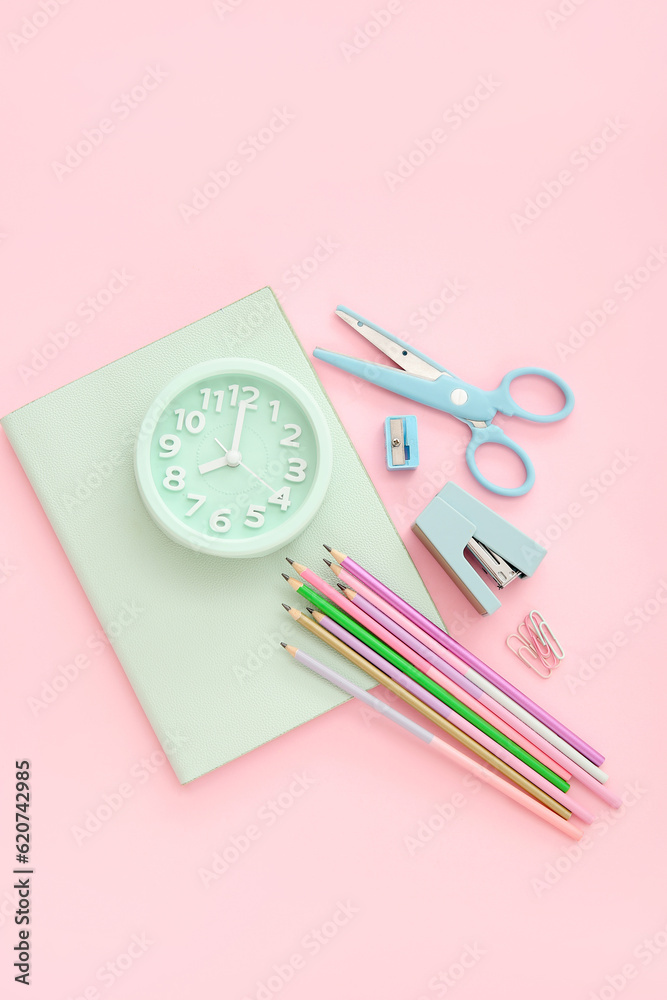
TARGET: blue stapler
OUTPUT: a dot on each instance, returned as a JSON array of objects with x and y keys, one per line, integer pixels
[{"x": 454, "y": 523}]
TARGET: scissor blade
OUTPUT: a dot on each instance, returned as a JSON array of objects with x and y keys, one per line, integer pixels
[
  {"x": 400, "y": 352},
  {"x": 422, "y": 390}
]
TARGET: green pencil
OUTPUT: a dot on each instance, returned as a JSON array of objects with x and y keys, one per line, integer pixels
[{"x": 347, "y": 622}]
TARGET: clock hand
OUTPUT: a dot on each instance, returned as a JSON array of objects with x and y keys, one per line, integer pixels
[
  {"x": 234, "y": 455},
  {"x": 257, "y": 477},
  {"x": 217, "y": 463},
  {"x": 225, "y": 461}
]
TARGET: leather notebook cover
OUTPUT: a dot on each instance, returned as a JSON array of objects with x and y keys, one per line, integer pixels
[{"x": 203, "y": 655}]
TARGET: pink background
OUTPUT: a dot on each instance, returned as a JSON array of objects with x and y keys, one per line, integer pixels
[{"x": 531, "y": 913}]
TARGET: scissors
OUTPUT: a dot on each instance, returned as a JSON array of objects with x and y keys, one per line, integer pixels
[{"x": 425, "y": 381}]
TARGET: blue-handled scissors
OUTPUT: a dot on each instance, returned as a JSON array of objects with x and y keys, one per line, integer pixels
[{"x": 427, "y": 382}]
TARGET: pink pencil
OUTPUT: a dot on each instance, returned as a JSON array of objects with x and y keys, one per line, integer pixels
[
  {"x": 554, "y": 731},
  {"x": 498, "y": 714},
  {"x": 387, "y": 637},
  {"x": 603, "y": 792},
  {"x": 350, "y": 640}
]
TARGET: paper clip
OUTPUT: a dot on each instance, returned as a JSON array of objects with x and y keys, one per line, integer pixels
[{"x": 535, "y": 637}]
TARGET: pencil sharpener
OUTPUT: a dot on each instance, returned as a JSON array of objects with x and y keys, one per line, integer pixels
[{"x": 401, "y": 442}]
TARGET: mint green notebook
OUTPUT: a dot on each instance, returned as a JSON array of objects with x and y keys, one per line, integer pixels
[{"x": 198, "y": 636}]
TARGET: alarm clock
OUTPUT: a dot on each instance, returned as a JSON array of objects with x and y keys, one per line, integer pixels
[{"x": 233, "y": 458}]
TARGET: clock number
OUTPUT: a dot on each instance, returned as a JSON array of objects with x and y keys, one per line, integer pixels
[
  {"x": 170, "y": 445},
  {"x": 234, "y": 389},
  {"x": 281, "y": 497},
  {"x": 175, "y": 478},
  {"x": 297, "y": 470},
  {"x": 219, "y": 396},
  {"x": 250, "y": 403},
  {"x": 218, "y": 520},
  {"x": 275, "y": 405},
  {"x": 190, "y": 424},
  {"x": 291, "y": 440},
  {"x": 206, "y": 393},
  {"x": 257, "y": 513},
  {"x": 200, "y": 500}
]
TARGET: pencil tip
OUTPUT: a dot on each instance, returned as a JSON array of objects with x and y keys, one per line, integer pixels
[
  {"x": 341, "y": 586},
  {"x": 284, "y": 645},
  {"x": 290, "y": 561},
  {"x": 328, "y": 562},
  {"x": 284, "y": 576},
  {"x": 328, "y": 548},
  {"x": 287, "y": 607},
  {"x": 310, "y": 610}
]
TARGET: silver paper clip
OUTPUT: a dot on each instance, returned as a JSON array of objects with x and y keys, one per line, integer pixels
[{"x": 535, "y": 638}]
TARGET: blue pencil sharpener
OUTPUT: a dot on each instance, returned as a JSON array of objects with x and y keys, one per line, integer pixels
[{"x": 401, "y": 442}]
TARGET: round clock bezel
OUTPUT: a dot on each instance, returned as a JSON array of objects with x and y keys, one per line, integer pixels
[{"x": 241, "y": 548}]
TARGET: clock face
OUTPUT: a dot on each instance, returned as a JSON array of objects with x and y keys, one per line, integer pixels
[{"x": 233, "y": 458}]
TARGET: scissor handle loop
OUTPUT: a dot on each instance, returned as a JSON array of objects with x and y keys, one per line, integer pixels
[
  {"x": 508, "y": 405},
  {"x": 495, "y": 435}
]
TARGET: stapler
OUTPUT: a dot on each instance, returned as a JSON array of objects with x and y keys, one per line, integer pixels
[{"x": 455, "y": 525}]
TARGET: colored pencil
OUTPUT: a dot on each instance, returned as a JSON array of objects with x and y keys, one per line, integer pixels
[
  {"x": 452, "y": 666},
  {"x": 565, "y": 799},
  {"x": 376, "y": 637},
  {"x": 436, "y": 744},
  {"x": 480, "y": 701},
  {"x": 580, "y": 773},
  {"x": 416, "y": 702},
  {"x": 482, "y": 670},
  {"x": 601, "y": 791}
]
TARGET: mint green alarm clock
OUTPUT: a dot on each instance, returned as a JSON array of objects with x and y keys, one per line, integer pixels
[{"x": 233, "y": 458}]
